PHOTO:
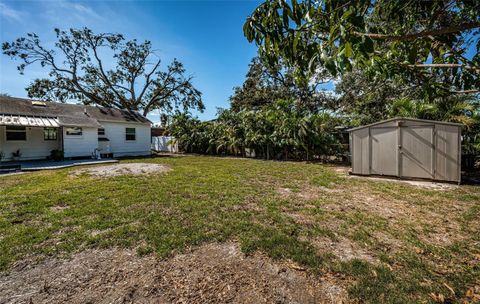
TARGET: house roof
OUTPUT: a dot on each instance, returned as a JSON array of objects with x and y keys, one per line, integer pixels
[
  {"x": 405, "y": 118},
  {"x": 67, "y": 114},
  {"x": 159, "y": 131},
  {"x": 28, "y": 121}
]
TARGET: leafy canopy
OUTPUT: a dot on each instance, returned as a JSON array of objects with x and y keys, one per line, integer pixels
[
  {"x": 79, "y": 70},
  {"x": 363, "y": 101},
  {"x": 367, "y": 100},
  {"x": 426, "y": 41},
  {"x": 282, "y": 129},
  {"x": 265, "y": 84}
]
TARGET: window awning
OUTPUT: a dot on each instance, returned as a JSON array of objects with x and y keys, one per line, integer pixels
[{"x": 28, "y": 121}]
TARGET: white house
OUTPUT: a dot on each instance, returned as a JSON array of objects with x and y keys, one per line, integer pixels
[{"x": 35, "y": 128}]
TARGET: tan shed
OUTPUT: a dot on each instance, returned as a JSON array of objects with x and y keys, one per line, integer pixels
[{"x": 407, "y": 148}]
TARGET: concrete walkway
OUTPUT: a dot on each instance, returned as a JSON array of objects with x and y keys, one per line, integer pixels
[{"x": 52, "y": 165}]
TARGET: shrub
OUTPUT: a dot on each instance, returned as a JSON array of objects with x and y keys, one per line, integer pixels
[{"x": 56, "y": 155}]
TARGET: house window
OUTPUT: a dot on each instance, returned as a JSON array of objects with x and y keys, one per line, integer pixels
[
  {"x": 130, "y": 134},
  {"x": 49, "y": 134},
  {"x": 101, "y": 132},
  {"x": 74, "y": 131},
  {"x": 16, "y": 133}
]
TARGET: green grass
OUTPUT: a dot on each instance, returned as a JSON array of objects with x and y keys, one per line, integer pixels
[{"x": 204, "y": 199}]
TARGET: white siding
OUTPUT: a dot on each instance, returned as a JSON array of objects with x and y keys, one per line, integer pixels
[
  {"x": 119, "y": 146},
  {"x": 79, "y": 146},
  {"x": 35, "y": 147}
]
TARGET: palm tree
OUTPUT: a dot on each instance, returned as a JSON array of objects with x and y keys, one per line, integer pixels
[{"x": 405, "y": 107}]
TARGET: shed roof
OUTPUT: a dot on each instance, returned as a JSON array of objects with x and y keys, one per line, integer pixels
[
  {"x": 405, "y": 118},
  {"x": 67, "y": 114}
]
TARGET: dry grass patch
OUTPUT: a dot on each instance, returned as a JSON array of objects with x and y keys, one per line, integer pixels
[
  {"x": 343, "y": 249},
  {"x": 213, "y": 273},
  {"x": 307, "y": 193},
  {"x": 380, "y": 241},
  {"x": 58, "y": 208}
]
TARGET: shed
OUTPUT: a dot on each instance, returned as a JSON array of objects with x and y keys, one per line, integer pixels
[{"x": 407, "y": 148}]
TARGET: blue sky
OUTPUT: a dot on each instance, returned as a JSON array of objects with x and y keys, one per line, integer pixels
[{"x": 205, "y": 35}]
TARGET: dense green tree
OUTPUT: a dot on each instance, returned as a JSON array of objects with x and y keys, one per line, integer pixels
[
  {"x": 190, "y": 133},
  {"x": 405, "y": 107},
  {"x": 364, "y": 101},
  {"x": 265, "y": 84},
  {"x": 367, "y": 100},
  {"x": 464, "y": 109},
  {"x": 283, "y": 129},
  {"x": 262, "y": 86},
  {"x": 77, "y": 71},
  {"x": 427, "y": 42}
]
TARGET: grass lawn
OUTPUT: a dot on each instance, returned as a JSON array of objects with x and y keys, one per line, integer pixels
[{"x": 387, "y": 242}]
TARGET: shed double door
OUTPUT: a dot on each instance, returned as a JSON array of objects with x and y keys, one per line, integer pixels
[
  {"x": 406, "y": 151},
  {"x": 417, "y": 151}
]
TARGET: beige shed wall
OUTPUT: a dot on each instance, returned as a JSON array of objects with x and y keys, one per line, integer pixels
[{"x": 416, "y": 149}]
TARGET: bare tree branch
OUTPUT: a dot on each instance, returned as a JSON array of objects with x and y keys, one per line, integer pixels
[
  {"x": 83, "y": 76},
  {"x": 148, "y": 81},
  {"x": 443, "y": 66},
  {"x": 423, "y": 34}
]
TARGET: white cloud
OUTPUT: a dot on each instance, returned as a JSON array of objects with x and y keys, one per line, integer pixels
[
  {"x": 81, "y": 9},
  {"x": 78, "y": 13},
  {"x": 331, "y": 93},
  {"x": 8, "y": 12},
  {"x": 336, "y": 80}
]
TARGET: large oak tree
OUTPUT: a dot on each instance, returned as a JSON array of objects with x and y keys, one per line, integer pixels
[{"x": 104, "y": 69}]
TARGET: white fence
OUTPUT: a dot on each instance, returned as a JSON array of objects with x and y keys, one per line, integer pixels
[{"x": 163, "y": 144}]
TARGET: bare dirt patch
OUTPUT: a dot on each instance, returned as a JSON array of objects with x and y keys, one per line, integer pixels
[
  {"x": 213, "y": 273},
  {"x": 358, "y": 198},
  {"x": 417, "y": 183},
  {"x": 251, "y": 204},
  {"x": 97, "y": 232},
  {"x": 437, "y": 226},
  {"x": 285, "y": 192},
  {"x": 342, "y": 170},
  {"x": 307, "y": 193},
  {"x": 386, "y": 208},
  {"x": 442, "y": 231},
  {"x": 344, "y": 249},
  {"x": 122, "y": 169},
  {"x": 58, "y": 208},
  {"x": 345, "y": 171},
  {"x": 301, "y": 219}
]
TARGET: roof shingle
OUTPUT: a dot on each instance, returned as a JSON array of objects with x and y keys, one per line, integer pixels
[{"x": 69, "y": 114}]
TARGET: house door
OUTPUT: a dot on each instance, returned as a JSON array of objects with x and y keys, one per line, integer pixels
[{"x": 416, "y": 151}]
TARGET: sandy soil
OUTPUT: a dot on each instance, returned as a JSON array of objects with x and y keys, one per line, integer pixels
[
  {"x": 213, "y": 273},
  {"x": 418, "y": 183},
  {"x": 122, "y": 169}
]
